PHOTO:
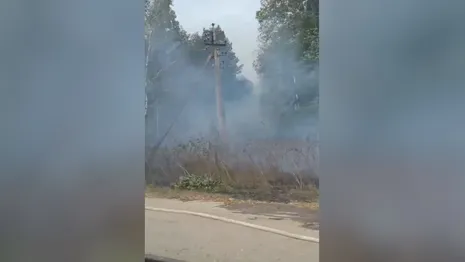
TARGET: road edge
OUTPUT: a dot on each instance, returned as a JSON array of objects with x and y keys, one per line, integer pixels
[{"x": 237, "y": 222}]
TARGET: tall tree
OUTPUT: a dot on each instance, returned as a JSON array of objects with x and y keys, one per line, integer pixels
[
  {"x": 164, "y": 41},
  {"x": 288, "y": 54}
]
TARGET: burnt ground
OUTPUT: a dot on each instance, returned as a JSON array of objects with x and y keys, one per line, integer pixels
[
  {"x": 277, "y": 211},
  {"x": 305, "y": 213}
]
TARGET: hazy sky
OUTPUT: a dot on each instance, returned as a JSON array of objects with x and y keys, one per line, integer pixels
[{"x": 236, "y": 17}]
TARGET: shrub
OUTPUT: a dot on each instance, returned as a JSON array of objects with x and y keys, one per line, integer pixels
[{"x": 198, "y": 183}]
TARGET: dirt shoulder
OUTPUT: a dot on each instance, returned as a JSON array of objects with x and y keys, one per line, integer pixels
[
  {"x": 295, "y": 217},
  {"x": 308, "y": 217}
]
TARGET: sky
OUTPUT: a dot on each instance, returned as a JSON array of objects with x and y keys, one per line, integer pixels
[{"x": 236, "y": 17}]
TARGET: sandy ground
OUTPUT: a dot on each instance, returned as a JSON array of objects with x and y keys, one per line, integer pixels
[{"x": 187, "y": 238}]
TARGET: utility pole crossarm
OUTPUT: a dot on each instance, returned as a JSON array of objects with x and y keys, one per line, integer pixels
[
  {"x": 212, "y": 41},
  {"x": 215, "y": 44}
]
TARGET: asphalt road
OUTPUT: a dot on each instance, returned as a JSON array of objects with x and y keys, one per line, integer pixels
[{"x": 179, "y": 237}]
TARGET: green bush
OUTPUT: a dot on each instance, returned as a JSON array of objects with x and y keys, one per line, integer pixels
[{"x": 198, "y": 183}]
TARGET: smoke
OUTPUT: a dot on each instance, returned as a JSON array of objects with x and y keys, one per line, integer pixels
[
  {"x": 271, "y": 113},
  {"x": 274, "y": 115}
]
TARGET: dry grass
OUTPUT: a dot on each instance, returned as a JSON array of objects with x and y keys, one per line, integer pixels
[
  {"x": 279, "y": 171},
  {"x": 185, "y": 195},
  {"x": 225, "y": 199}
]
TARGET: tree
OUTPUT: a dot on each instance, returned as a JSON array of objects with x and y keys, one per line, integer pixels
[
  {"x": 163, "y": 35},
  {"x": 288, "y": 54},
  {"x": 164, "y": 41},
  {"x": 290, "y": 23},
  {"x": 172, "y": 53}
]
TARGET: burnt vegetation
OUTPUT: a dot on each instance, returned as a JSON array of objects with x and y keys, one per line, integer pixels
[{"x": 272, "y": 148}]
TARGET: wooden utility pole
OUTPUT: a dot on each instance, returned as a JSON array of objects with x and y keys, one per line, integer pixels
[{"x": 219, "y": 97}]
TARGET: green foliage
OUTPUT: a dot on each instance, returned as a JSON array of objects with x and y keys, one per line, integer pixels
[
  {"x": 291, "y": 24},
  {"x": 198, "y": 183},
  {"x": 161, "y": 21},
  {"x": 311, "y": 44},
  {"x": 288, "y": 53},
  {"x": 162, "y": 29}
]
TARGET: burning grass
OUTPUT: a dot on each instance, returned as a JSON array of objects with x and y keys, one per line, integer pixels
[{"x": 278, "y": 171}]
